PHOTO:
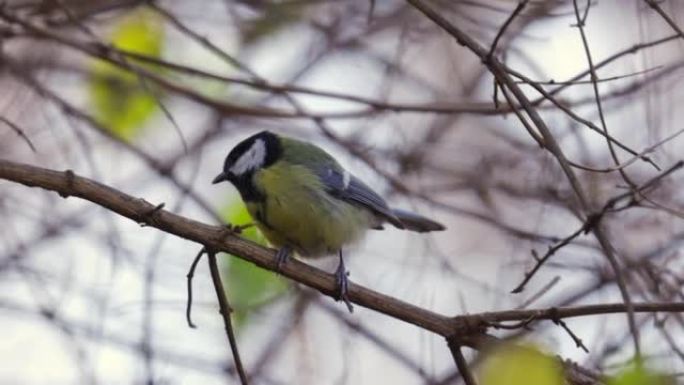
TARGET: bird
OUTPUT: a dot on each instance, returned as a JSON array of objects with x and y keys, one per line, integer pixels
[{"x": 305, "y": 202}]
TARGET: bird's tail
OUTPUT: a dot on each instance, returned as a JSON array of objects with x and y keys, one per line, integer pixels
[{"x": 415, "y": 222}]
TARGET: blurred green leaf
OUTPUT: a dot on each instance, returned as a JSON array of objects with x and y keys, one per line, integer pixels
[
  {"x": 248, "y": 286},
  {"x": 520, "y": 365},
  {"x": 273, "y": 18},
  {"x": 120, "y": 101},
  {"x": 637, "y": 374}
]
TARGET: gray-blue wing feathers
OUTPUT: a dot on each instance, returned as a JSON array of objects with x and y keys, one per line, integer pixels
[
  {"x": 345, "y": 186},
  {"x": 417, "y": 222}
]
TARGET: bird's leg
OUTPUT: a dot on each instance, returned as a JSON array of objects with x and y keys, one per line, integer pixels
[
  {"x": 341, "y": 275},
  {"x": 283, "y": 255}
]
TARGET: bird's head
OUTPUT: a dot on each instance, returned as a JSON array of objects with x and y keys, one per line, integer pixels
[{"x": 252, "y": 154}]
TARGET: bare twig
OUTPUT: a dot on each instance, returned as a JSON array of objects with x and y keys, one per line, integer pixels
[
  {"x": 19, "y": 132},
  {"x": 592, "y": 221},
  {"x": 654, "y": 4},
  {"x": 190, "y": 275},
  {"x": 460, "y": 361},
  {"x": 575, "y": 338},
  {"x": 225, "y": 310},
  {"x": 549, "y": 253},
  {"x": 521, "y": 5},
  {"x": 545, "y": 289}
]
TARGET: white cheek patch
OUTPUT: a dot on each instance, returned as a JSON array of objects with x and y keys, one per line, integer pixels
[{"x": 251, "y": 159}]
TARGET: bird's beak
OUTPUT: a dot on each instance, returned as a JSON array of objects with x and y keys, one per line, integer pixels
[{"x": 220, "y": 178}]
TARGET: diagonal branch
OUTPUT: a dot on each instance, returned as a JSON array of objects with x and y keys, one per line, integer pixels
[
  {"x": 216, "y": 238},
  {"x": 219, "y": 238},
  {"x": 469, "y": 330}
]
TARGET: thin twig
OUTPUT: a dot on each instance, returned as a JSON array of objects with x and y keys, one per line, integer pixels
[
  {"x": 460, "y": 361},
  {"x": 565, "y": 312},
  {"x": 545, "y": 289},
  {"x": 601, "y": 80},
  {"x": 591, "y": 222},
  {"x": 19, "y": 132},
  {"x": 513, "y": 15},
  {"x": 225, "y": 309},
  {"x": 549, "y": 253},
  {"x": 575, "y": 338},
  {"x": 190, "y": 275},
  {"x": 654, "y": 4},
  {"x": 521, "y": 117}
]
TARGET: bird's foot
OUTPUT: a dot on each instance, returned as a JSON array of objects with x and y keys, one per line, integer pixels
[
  {"x": 282, "y": 256},
  {"x": 342, "y": 281},
  {"x": 237, "y": 229}
]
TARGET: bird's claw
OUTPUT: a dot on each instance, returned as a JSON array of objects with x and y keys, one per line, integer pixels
[
  {"x": 282, "y": 256},
  {"x": 342, "y": 281}
]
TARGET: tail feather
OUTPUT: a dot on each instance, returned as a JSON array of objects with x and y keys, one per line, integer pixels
[{"x": 415, "y": 222}]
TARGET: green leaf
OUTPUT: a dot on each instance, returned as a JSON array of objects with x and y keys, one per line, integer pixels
[
  {"x": 638, "y": 374},
  {"x": 248, "y": 286},
  {"x": 120, "y": 101},
  {"x": 272, "y": 19},
  {"x": 520, "y": 365}
]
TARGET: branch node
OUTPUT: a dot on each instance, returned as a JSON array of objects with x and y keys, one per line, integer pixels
[
  {"x": 149, "y": 216},
  {"x": 70, "y": 176},
  {"x": 593, "y": 219}
]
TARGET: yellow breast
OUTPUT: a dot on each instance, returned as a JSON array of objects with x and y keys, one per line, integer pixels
[{"x": 298, "y": 212}]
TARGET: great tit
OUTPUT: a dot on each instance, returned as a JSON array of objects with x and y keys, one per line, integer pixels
[{"x": 303, "y": 201}]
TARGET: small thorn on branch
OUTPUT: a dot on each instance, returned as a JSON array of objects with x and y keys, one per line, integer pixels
[
  {"x": 535, "y": 255},
  {"x": 148, "y": 216},
  {"x": 155, "y": 209}
]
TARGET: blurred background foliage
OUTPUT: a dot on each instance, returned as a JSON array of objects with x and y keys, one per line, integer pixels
[
  {"x": 122, "y": 100},
  {"x": 248, "y": 286},
  {"x": 518, "y": 365}
]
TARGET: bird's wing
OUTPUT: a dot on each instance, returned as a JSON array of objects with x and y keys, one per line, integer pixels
[{"x": 343, "y": 185}]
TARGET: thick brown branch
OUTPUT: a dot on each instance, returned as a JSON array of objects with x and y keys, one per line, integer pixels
[
  {"x": 217, "y": 238},
  {"x": 221, "y": 239},
  {"x": 469, "y": 329}
]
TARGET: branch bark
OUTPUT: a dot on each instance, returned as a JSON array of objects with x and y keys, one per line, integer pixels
[
  {"x": 468, "y": 329},
  {"x": 220, "y": 238},
  {"x": 217, "y": 238}
]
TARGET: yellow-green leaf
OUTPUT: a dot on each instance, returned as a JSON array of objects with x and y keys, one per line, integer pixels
[
  {"x": 248, "y": 286},
  {"x": 639, "y": 375},
  {"x": 120, "y": 101},
  {"x": 520, "y": 365}
]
